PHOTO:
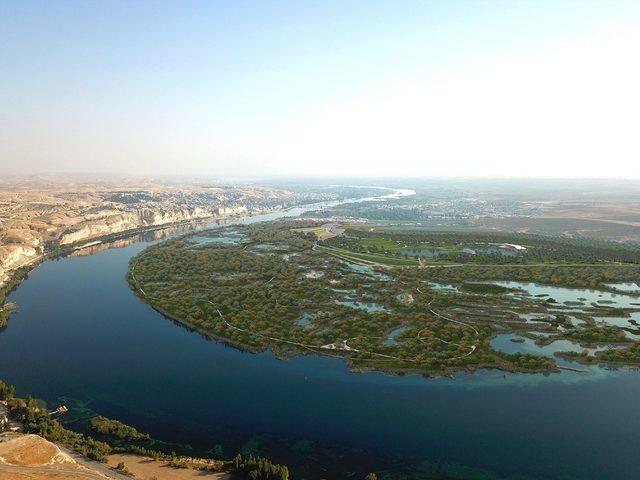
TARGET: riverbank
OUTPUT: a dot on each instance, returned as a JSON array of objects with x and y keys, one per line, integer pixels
[
  {"x": 31, "y": 457},
  {"x": 16, "y": 275},
  {"x": 351, "y": 363},
  {"x": 35, "y": 445},
  {"x": 266, "y": 318},
  {"x": 147, "y": 467}
]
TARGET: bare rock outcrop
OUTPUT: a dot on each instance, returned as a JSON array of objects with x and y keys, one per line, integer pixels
[{"x": 129, "y": 220}]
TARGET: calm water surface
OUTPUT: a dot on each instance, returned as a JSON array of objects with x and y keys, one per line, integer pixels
[{"x": 82, "y": 337}]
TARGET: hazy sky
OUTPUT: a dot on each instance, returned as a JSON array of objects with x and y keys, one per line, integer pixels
[{"x": 446, "y": 87}]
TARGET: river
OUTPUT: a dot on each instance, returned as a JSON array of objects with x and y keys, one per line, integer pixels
[{"x": 81, "y": 337}]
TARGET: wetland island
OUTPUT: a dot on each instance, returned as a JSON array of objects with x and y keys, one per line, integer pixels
[{"x": 401, "y": 300}]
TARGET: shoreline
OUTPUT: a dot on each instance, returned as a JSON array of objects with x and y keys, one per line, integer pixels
[
  {"x": 64, "y": 250},
  {"x": 23, "y": 270},
  {"x": 349, "y": 361}
]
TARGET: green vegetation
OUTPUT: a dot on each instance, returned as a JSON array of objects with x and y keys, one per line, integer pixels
[
  {"x": 52, "y": 250},
  {"x": 254, "y": 300},
  {"x": 582, "y": 276},
  {"x": 282, "y": 289},
  {"x": 17, "y": 277},
  {"x": 37, "y": 420},
  {"x": 484, "y": 288},
  {"x": 482, "y": 247},
  {"x": 629, "y": 355},
  {"x": 6, "y": 391},
  {"x": 258, "y": 468},
  {"x": 107, "y": 426},
  {"x": 366, "y": 257}
]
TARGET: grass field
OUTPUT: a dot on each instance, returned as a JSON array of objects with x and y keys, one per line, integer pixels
[
  {"x": 369, "y": 258},
  {"x": 382, "y": 243},
  {"x": 387, "y": 244}
]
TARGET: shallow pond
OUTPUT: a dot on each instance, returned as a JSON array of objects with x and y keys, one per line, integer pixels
[
  {"x": 269, "y": 247},
  {"x": 229, "y": 238},
  {"x": 443, "y": 287},
  {"x": 366, "y": 270},
  {"x": 392, "y": 337},
  {"x": 534, "y": 317},
  {"x": 629, "y": 287},
  {"x": 370, "y": 307},
  {"x": 504, "y": 343},
  {"x": 424, "y": 252},
  {"x": 625, "y": 322},
  {"x": 573, "y": 295},
  {"x": 494, "y": 250},
  {"x": 305, "y": 320}
]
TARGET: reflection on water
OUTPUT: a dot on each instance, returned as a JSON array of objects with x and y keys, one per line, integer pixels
[
  {"x": 149, "y": 236},
  {"x": 370, "y": 307},
  {"x": 366, "y": 270},
  {"x": 81, "y": 334},
  {"x": 444, "y": 287},
  {"x": 392, "y": 337},
  {"x": 424, "y": 252},
  {"x": 629, "y": 287},
  {"x": 304, "y": 320},
  {"x": 505, "y": 343},
  {"x": 230, "y": 237},
  {"x": 576, "y": 296}
]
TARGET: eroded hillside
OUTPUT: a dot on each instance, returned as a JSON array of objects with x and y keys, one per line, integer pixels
[{"x": 38, "y": 215}]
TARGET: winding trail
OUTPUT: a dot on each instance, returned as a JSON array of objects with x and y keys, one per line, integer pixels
[
  {"x": 342, "y": 345},
  {"x": 475, "y": 330}
]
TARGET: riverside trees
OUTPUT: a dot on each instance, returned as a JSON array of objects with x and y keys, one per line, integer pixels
[{"x": 274, "y": 289}]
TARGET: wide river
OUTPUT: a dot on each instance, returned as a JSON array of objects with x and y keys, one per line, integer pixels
[{"x": 81, "y": 337}]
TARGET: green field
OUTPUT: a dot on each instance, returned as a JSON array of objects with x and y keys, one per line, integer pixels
[{"x": 366, "y": 257}]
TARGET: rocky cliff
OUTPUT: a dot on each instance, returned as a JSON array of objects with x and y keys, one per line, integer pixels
[
  {"x": 130, "y": 220},
  {"x": 13, "y": 256}
]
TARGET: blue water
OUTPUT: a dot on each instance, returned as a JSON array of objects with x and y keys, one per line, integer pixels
[
  {"x": 503, "y": 343},
  {"x": 80, "y": 333},
  {"x": 370, "y": 307},
  {"x": 305, "y": 320}
]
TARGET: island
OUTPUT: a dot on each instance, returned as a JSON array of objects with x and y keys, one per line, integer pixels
[{"x": 399, "y": 299}]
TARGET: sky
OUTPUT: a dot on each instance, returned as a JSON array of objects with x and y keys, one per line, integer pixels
[{"x": 304, "y": 88}]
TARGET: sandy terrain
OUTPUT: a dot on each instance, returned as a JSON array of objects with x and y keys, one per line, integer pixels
[
  {"x": 30, "y": 451},
  {"x": 145, "y": 468},
  {"x": 38, "y": 213},
  {"x": 31, "y": 457},
  {"x": 37, "y": 476}
]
